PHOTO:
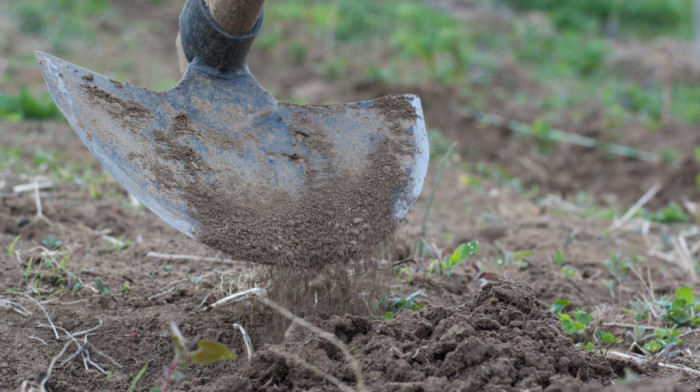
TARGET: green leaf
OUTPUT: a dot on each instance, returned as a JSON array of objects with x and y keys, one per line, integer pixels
[
  {"x": 463, "y": 251},
  {"x": 685, "y": 293},
  {"x": 521, "y": 255},
  {"x": 568, "y": 271},
  {"x": 209, "y": 352},
  {"x": 558, "y": 257},
  {"x": 136, "y": 379},
  {"x": 653, "y": 346},
  {"x": 558, "y": 306},
  {"x": 588, "y": 346},
  {"x": 609, "y": 338},
  {"x": 582, "y": 317},
  {"x": 388, "y": 316}
]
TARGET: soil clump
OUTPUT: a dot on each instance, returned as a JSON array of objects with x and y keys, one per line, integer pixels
[{"x": 503, "y": 339}]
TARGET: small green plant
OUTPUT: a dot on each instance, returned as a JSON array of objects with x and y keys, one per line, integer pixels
[
  {"x": 607, "y": 339},
  {"x": 120, "y": 244},
  {"x": 28, "y": 270},
  {"x": 206, "y": 353},
  {"x": 11, "y": 247},
  {"x": 447, "y": 264},
  {"x": 517, "y": 258},
  {"x": 50, "y": 242},
  {"x": 49, "y": 274},
  {"x": 619, "y": 268},
  {"x": 24, "y": 105},
  {"x": 558, "y": 306},
  {"x": 568, "y": 270},
  {"x": 664, "y": 337},
  {"x": 574, "y": 325},
  {"x": 101, "y": 288},
  {"x": 683, "y": 309},
  {"x": 558, "y": 258},
  {"x": 407, "y": 272},
  {"x": 132, "y": 386},
  {"x": 672, "y": 213},
  {"x": 639, "y": 310},
  {"x": 399, "y": 304},
  {"x": 429, "y": 206}
]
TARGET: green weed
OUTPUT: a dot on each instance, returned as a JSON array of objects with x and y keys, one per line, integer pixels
[
  {"x": 400, "y": 304},
  {"x": 50, "y": 242},
  {"x": 619, "y": 267},
  {"x": 206, "y": 353},
  {"x": 59, "y": 21},
  {"x": 639, "y": 17},
  {"x": 137, "y": 378},
  {"x": 576, "y": 323},
  {"x": 119, "y": 245},
  {"x": 11, "y": 247},
  {"x": 672, "y": 213},
  {"x": 683, "y": 309},
  {"x": 49, "y": 274},
  {"x": 664, "y": 337},
  {"x": 101, "y": 288},
  {"x": 446, "y": 264},
  {"x": 428, "y": 207},
  {"x": 24, "y": 105},
  {"x": 607, "y": 339}
]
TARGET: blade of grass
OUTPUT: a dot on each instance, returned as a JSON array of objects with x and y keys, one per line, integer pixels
[
  {"x": 429, "y": 206},
  {"x": 136, "y": 379}
]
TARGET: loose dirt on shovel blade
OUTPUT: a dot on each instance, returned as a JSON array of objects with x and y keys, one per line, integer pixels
[
  {"x": 339, "y": 221},
  {"x": 338, "y": 217}
]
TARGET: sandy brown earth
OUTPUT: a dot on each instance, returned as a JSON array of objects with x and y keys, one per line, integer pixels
[{"x": 477, "y": 331}]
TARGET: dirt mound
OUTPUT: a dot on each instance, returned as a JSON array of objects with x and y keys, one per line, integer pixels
[{"x": 502, "y": 340}]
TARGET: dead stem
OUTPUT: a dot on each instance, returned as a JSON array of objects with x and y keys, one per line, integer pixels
[
  {"x": 618, "y": 223},
  {"x": 53, "y": 327},
  {"x": 246, "y": 339},
  {"x": 640, "y": 361}
]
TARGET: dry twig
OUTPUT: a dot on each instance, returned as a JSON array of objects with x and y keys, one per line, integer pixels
[
  {"x": 641, "y": 360},
  {"x": 246, "y": 340},
  {"x": 636, "y": 207}
]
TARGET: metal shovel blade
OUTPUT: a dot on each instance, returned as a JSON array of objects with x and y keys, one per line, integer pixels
[{"x": 222, "y": 161}]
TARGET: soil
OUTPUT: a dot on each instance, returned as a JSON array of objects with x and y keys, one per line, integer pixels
[
  {"x": 470, "y": 335},
  {"x": 501, "y": 340}
]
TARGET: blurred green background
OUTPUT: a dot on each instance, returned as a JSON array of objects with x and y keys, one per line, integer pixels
[{"x": 567, "y": 47}]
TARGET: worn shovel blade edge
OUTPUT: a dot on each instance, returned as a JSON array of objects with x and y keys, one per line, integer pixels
[
  {"x": 61, "y": 93},
  {"x": 421, "y": 160}
]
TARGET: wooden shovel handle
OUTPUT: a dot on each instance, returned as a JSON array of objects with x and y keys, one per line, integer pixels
[{"x": 235, "y": 16}]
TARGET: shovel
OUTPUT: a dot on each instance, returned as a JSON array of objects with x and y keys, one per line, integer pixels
[{"x": 222, "y": 161}]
